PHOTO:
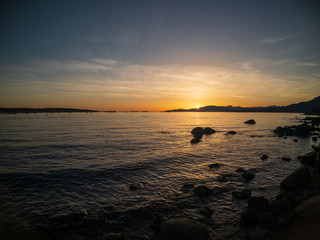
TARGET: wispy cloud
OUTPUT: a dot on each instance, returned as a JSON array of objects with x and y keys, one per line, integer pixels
[
  {"x": 274, "y": 40},
  {"x": 252, "y": 82}
]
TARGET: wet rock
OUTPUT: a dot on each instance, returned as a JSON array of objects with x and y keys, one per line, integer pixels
[
  {"x": 221, "y": 178},
  {"x": 195, "y": 140},
  {"x": 214, "y": 165},
  {"x": 231, "y": 132},
  {"x": 136, "y": 186},
  {"x": 243, "y": 194},
  {"x": 240, "y": 170},
  {"x": 251, "y": 121},
  {"x": 247, "y": 175},
  {"x": 187, "y": 186},
  {"x": 286, "y": 159},
  {"x": 295, "y": 140},
  {"x": 156, "y": 223},
  {"x": 309, "y": 158},
  {"x": 297, "y": 179},
  {"x": 208, "y": 131},
  {"x": 309, "y": 208},
  {"x": 264, "y": 156},
  {"x": 259, "y": 203},
  {"x": 250, "y": 217},
  {"x": 114, "y": 236},
  {"x": 206, "y": 211},
  {"x": 302, "y": 130},
  {"x": 182, "y": 229},
  {"x": 202, "y": 191},
  {"x": 197, "y": 132},
  {"x": 314, "y": 139}
]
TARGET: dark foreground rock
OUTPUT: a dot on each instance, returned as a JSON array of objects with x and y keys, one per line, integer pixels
[
  {"x": 308, "y": 159},
  {"x": 197, "y": 132},
  {"x": 251, "y": 121},
  {"x": 299, "y": 178},
  {"x": 303, "y": 130},
  {"x": 259, "y": 203},
  {"x": 114, "y": 236},
  {"x": 182, "y": 229}
]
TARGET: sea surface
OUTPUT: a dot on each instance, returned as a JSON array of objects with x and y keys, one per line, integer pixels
[{"x": 68, "y": 176}]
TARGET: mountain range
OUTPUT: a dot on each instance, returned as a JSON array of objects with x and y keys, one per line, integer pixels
[{"x": 312, "y": 106}]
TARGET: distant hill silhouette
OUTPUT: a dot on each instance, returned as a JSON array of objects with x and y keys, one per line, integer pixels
[
  {"x": 42, "y": 110},
  {"x": 312, "y": 106}
]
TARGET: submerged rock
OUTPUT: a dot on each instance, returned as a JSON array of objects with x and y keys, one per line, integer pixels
[
  {"x": 208, "y": 130},
  {"x": 136, "y": 186},
  {"x": 240, "y": 170},
  {"x": 231, "y": 132},
  {"x": 264, "y": 156},
  {"x": 286, "y": 159},
  {"x": 195, "y": 140},
  {"x": 243, "y": 194},
  {"x": 221, "y": 178},
  {"x": 297, "y": 179},
  {"x": 214, "y": 165},
  {"x": 251, "y": 121},
  {"x": 314, "y": 139},
  {"x": 247, "y": 175},
  {"x": 202, "y": 191},
  {"x": 187, "y": 186},
  {"x": 206, "y": 211},
  {"x": 182, "y": 229}
]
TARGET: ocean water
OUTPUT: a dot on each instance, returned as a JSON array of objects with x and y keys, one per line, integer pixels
[{"x": 68, "y": 176}]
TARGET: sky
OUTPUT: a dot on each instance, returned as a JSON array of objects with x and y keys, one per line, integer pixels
[{"x": 158, "y": 54}]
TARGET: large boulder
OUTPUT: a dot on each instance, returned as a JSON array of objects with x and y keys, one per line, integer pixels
[
  {"x": 208, "y": 130},
  {"x": 309, "y": 158},
  {"x": 259, "y": 203},
  {"x": 197, "y": 132},
  {"x": 251, "y": 121},
  {"x": 182, "y": 229},
  {"x": 297, "y": 179}
]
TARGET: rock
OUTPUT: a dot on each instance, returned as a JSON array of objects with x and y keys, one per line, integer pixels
[
  {"x": 250, "y": 217},
  {"x": 136, "y": 186},
  {"x": 231, "y": 132},
  {"x": 202, "y": 191},
  {"x": 314, "y": 139},
  {"x": 297, "y": 179},
  {"x": 240, "y": 170},
  {"x": 156, "y": 223},
  {"x": 206, "y": 211},
  {"x": 208, "y": 131},
  {"x": 182, "y": 229},
  {"x": 259, "y": 203},
  {"x": 195, "y": 140},
  {"x": 303, "y": 130},
  {"x": 286, "y": 159},
  {"x": 251, "y": 121},
  {"x": 295, "y": 140},
  {"x": 214, "y": 165},
  {"x": 197, "y": 132},
  {"x": 247, "y": 175},
  {"x": 244, "y": 194},
  {"x": 309, "y": 159},
  {"x": 221, "y": 178},
  {"x": 309, "y": 208},
  {"x": 187, "y": 186},
  {"x": 114, "y": 236},
  {"x": 264, "y": 156}
]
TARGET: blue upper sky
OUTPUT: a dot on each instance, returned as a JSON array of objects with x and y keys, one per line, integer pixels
[{"x": 223, "y": 40}]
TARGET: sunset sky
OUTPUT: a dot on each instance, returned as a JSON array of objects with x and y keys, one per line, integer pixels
[{"x": 158, "y": 54}]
